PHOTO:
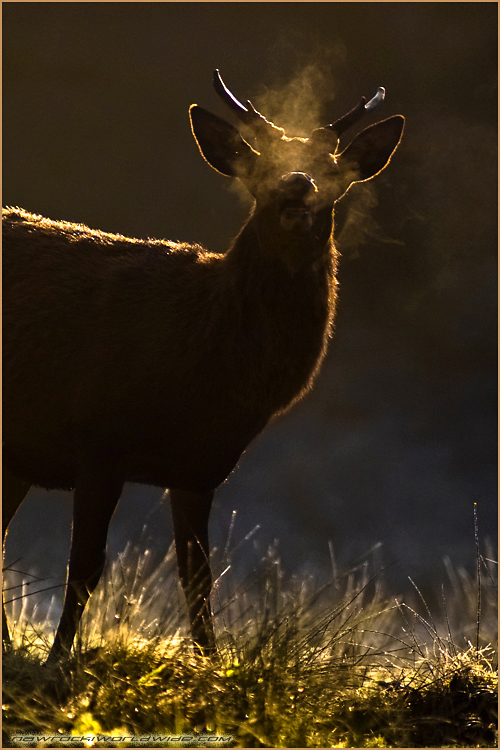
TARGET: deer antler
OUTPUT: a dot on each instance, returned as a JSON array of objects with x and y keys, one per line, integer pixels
[
  {"x": 356, "y": 114},
  {"x": 247, "y": 112},
  {"x": 266, "y": 130},
  {"x": 347, "y": 121}
]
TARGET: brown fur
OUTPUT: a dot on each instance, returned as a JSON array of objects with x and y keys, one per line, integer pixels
[
  {"x": 176, "y": 356},
  {"x": 156, "y": 362}
]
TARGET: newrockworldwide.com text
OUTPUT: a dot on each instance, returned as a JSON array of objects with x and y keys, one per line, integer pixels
[{"x": 95, "y": 739}]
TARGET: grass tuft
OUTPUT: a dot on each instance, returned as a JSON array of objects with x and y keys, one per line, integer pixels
[{"x": 343, "y": 665}]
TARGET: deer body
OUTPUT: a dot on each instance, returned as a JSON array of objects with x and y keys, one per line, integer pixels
[
  {"x": 187, "y": 324},
  {"x": 158, "y": 362}
]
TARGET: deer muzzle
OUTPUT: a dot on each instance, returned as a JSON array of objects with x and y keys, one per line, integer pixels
[{"x": 296, "y": 191}]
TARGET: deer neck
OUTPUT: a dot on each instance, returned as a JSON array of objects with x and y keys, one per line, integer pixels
[
  {"x": 263, "y": 250},
  {"x": 283, "y": 312},
  {"x": 277, "y": 281}
]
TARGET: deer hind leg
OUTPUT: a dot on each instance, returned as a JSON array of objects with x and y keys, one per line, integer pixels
[
  {"x": 97, "y": 492},
  {"x": 190, "y": 514},
  {"x": 14, "y": 491}
]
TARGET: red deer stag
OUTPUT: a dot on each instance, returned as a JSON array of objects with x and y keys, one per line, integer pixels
[{"x": 157, "y": 362}]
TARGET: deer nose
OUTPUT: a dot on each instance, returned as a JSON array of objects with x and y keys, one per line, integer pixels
[{"x": 297, "y": 184}]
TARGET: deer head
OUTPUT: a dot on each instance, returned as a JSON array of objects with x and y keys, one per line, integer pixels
[{"x": 295, "y": 181}]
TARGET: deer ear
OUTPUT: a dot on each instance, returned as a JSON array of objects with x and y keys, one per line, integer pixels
[
  {"x": 371, "y": 150},
  {"x": 221, "y": 144}
]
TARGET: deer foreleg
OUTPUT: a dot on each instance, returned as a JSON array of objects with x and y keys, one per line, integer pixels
[
  {"x": 190, "y": 513},
  {"x": 96, "y": 495}
]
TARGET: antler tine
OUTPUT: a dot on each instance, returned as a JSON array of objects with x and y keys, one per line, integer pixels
[
  {"x": 246, "y": 112},
  {"x": 356, "y": 114},
  {"x": 339, "y": 127}
]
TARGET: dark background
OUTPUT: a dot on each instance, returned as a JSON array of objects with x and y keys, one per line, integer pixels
[{"x": 398, "y": 438}]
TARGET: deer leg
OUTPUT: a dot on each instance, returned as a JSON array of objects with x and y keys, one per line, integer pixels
[
  {"x": 14, "y": 491},
  {"x": 97, "y": 492},
  {"x": 190, "y": 513}
]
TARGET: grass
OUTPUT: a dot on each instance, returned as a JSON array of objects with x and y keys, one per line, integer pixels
[{"x": 343, "y": 665}]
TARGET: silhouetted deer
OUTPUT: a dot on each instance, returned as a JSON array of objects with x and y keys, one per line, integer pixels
[{"x": 156, "y": 362}]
